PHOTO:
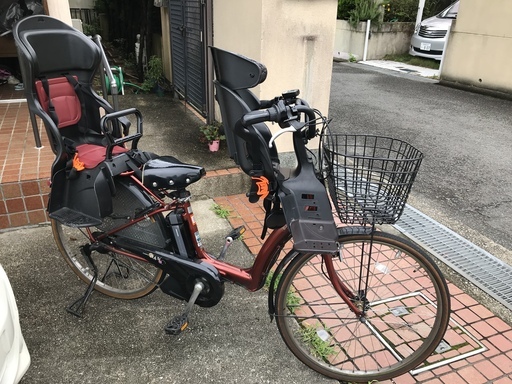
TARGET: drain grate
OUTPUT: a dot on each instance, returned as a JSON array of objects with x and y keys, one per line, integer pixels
[{"x": 480, "y": 267}]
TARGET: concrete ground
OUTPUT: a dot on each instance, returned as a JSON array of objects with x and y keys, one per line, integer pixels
[{"x": 124, "y": 341}]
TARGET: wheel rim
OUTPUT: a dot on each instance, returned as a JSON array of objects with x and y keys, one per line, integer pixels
[
  {"x": 397, "y": 331},
  {"x": 118, "y": 275}
]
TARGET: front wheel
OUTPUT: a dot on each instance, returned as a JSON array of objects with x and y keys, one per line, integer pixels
[{"x": 401, "y": 293}]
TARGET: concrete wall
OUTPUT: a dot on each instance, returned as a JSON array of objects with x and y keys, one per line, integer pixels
[
  {"x": 390, "y": 38},
  {"x": 293, "y": 38},
  {"x": 479, "y": 47}
]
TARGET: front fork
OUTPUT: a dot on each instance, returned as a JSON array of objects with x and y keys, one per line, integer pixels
[{"x": 357, "y": 303}]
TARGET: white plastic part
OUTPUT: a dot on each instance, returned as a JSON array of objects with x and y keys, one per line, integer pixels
[{"x": 14, "y": 355}]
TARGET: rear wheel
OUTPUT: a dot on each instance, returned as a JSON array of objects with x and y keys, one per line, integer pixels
[
  {"x": 119, "y": 276},
  {"x": 403, "y": 296}
]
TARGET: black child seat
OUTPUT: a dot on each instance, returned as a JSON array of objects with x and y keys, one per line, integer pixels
[
  {"x": 248, "y": 147},
  {"x": 58, "y": 65},
  {"x": 305, "y": 205}
]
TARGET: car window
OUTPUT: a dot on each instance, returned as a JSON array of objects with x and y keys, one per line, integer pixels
[{"x": 450, "y": 12}]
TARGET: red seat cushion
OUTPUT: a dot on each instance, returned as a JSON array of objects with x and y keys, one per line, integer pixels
[
  {"x": 91, "y": 155},
  {"x": 64, "y": 99}
]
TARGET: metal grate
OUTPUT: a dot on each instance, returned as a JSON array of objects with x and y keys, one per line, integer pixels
[
  {"x": 484, "y": 270},
  {"x": 432, "y": 33}
]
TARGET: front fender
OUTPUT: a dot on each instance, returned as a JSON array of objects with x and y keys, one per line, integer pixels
[{"x": 272, "y": 287}]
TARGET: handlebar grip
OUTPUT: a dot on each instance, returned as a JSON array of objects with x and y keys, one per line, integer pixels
[{"x": 255, "y": 117}]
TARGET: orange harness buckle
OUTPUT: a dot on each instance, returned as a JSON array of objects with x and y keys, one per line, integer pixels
[
  {"x": 262, "y": 184},
  {"x": 77, "y": 164}
]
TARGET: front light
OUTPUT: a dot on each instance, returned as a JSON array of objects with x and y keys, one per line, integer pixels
[{"x": 417, "y": 28}]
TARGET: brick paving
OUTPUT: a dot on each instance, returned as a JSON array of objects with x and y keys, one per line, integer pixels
[{"x": 494, "y": 365}]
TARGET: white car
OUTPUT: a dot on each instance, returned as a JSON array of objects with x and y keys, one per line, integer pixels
[
  {"x": 430, "y": 35},
  {"x": 14, "y": 355}
]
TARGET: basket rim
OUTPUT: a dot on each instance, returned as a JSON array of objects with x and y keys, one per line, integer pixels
[{"x": 418, "y": 154}]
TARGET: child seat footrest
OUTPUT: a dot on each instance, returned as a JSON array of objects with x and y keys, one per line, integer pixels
[{"x": 72, "y": 218}]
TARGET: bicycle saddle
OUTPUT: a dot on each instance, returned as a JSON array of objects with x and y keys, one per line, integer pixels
[{"x": 167, "y": 172}]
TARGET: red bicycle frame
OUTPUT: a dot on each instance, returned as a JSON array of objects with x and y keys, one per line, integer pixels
[{"x": 251, "y": 278}]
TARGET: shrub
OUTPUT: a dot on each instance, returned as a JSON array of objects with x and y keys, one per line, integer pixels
[
  {"x": 344, "y": 8},
  {"x": 406, "y": 10},
  {"x": 365, "y": 10}
]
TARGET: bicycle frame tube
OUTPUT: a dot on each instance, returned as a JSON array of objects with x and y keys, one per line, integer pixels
[{"x": 251, "y": 278}]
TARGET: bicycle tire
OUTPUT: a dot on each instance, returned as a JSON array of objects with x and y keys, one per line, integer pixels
[
  {"x": 406, "y": 303},
  {"x": 119, "y": 276}
]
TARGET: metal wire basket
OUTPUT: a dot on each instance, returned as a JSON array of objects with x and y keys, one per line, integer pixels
[{"x": 369, "y": 177}]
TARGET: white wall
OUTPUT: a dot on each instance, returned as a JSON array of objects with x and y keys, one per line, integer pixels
[
  {"x": 480, "y": 46},
  {"x": 293, "y": 38}
]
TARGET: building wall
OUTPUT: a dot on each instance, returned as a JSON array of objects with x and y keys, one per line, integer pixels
[
  {"x": 479, "y": 47},
  {"x": 293, "y": 38}
]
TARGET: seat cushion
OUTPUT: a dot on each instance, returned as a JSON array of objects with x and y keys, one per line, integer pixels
[
  {"x": 64, "y": 99},
  {"x": 91, "y": 155}
]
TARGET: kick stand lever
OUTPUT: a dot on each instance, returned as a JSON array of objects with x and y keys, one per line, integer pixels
[
  {"x": 180, "y": 322},
  {"x": 232, "y": 236},
  {"x": 78, "y": 306}
]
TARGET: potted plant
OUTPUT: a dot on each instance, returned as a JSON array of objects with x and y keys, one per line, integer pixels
[
  {"x": 212, "y": 134},
  {"x": 154, "y": 76}
]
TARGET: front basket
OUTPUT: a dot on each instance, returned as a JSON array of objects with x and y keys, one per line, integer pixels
[{"x": 369, "y": 177}]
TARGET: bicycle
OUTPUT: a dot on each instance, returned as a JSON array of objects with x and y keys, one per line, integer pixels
[{"x": 350, "y": 302}]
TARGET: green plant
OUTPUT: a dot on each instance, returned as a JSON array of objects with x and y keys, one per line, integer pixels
[
  {"x": 352, "y": 58},
  {"x": 91, "y": 29},
  {"x": 211, "y": 132},
  {"x": 154, "y": 74},
  {"x": 365, "y": 10},
  {"x": 292, "y": 299},
  {"x": 406, "y": 10},
  {"x": 344, "y": 8},
  {"x": 321, "y": 348},
  {"x": 223, "y": 213},
  {"x": 413, "y": 60}
]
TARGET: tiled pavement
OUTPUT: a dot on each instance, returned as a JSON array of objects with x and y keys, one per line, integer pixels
[{"x": 492, "y": 365}]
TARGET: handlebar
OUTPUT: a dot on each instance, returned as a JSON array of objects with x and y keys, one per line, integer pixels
[
  {"x": 287, "y": 116},
  {"x": 260, "y": 116}
]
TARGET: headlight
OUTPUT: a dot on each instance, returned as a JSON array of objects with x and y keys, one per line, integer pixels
[{"x": 417, "y": 28}]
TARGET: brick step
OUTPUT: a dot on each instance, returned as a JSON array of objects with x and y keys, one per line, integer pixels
[{"x": 24, "y": 202}]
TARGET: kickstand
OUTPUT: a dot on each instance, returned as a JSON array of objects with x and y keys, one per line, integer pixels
[
  {"x": 78, "y": 306},
  {"x": 180, "y": 322}
]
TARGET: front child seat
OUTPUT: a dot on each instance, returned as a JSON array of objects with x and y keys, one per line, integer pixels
[{"x": 235, "y": 75}]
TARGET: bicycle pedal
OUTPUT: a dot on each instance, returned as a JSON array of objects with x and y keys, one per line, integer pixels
[
  {"x": 236, "y": 233},
  {"x": 177, "y": 325}
]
